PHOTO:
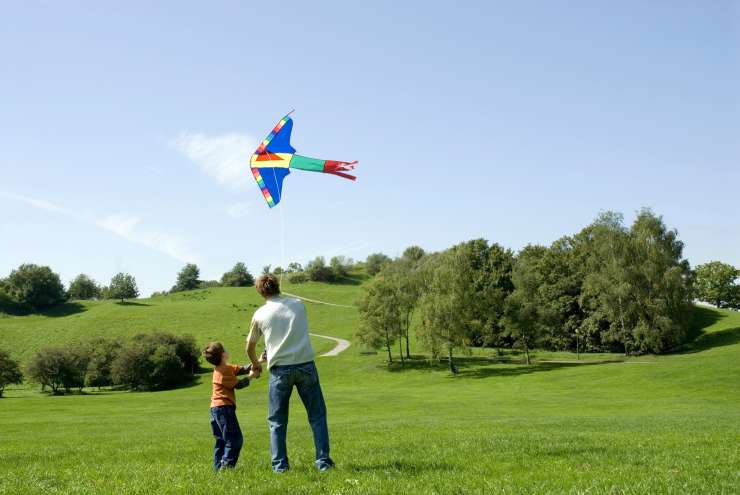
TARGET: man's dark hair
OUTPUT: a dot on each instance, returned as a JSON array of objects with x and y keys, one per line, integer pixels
[
  {"x": 267, "y": 285},
  {"x": 214, "y": 353}
]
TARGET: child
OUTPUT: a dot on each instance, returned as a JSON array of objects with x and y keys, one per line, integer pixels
[{"x": 224, "y": 424}]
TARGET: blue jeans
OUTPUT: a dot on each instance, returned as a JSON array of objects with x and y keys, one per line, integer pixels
[
  {"x": 228, "y": 435},
  {"x": 305, "y": 378}
]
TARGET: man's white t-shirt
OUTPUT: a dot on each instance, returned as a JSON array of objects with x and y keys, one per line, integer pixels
[{"x": 283, "y": 322}]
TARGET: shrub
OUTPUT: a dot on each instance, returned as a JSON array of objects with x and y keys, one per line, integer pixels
[
  {"x": 83, "y": 287},
  {"x": 238, "y": 276},
  {"x": 10, "y": 371},
  {"x": 101, "y": 354},
  {"x": 58, "y": 368},
  {"x": 297, "y": 277},
  {"x": 156, "y": 361},
  {"x": 318, "y": 271}
]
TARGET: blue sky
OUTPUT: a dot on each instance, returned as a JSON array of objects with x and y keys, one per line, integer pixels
[{"x": 125, "y": 130}]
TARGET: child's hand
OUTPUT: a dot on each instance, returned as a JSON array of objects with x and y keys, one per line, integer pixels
[{"x": 255, "y": 373}]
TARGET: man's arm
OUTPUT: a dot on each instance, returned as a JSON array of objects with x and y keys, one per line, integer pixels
[{"x": 252, "y": 338}]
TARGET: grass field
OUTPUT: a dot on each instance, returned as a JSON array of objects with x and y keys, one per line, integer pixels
[{"x": 668, "y": 424}]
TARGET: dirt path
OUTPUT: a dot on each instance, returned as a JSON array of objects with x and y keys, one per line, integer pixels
[{"x": 342, "y": 345}]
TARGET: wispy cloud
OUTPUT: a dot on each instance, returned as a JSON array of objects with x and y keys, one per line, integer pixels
[
  {"x": 39, "y": 203},
  {"x": 224, "y": 157},
  {"x": 127, "y": 227},
  {"x": 238, "y": 210}
]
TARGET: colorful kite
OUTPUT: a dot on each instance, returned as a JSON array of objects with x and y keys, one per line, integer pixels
[{"x": 274, "y": 158}]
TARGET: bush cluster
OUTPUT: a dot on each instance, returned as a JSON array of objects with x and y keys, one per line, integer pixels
[{"x": 146, "y": 362}]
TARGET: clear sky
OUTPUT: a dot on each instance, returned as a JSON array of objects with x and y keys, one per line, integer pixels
[{"x": 126, "y": 127}]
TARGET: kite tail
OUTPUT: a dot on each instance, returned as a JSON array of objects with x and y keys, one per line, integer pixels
[{"x": 337, "y": 168}]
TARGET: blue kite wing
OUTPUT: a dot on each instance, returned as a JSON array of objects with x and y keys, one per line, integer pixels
[
  {"x": 280, "y": 142},
  {"x": 270, "y": 182}
]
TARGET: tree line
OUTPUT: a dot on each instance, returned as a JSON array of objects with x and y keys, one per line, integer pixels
[
  {"x": 608, "y": 287},
  {"x": 154, "y": 361}
]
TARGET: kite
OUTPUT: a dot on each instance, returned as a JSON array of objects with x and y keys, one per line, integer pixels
[{"x": 275, "y": 157}]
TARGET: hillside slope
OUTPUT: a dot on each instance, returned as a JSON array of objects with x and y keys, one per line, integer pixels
[{"x": 657, "y": 424}]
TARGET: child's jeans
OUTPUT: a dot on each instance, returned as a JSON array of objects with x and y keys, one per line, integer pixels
[{"x": 228, "y": 435}]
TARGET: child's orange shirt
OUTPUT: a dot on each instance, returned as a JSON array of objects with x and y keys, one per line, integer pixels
[{"x": 224, "y": 381}]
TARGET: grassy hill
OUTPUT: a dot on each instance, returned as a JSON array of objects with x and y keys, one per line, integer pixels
[{"x": 668, "y": 424}]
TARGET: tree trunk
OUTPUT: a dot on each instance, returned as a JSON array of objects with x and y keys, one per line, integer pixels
[
  {"x": 400, "y": 350},
  {"x": 388, "y": 346},
  {"x": 408, "y": 325},
  {"x": 526, "y": 353},
  {"x": 453, "y": 368}
]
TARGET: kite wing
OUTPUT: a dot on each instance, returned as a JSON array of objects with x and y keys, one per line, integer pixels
[
  {"x": 271, "y": 161},
  {"x": 274, "y": 157}
]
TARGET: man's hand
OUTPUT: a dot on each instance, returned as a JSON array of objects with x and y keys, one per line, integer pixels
[
  {"x": 252, "y": 353},
  {"x": 254, "y": 373},
  {"x": 263, "y": 356}
]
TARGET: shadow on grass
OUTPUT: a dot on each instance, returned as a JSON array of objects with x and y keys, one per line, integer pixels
[
  {"x": 64, "y": 309},
  {"x": 707, "y": 341},
  {"x": 699, "y": 340},
  {"x": 131, "y": 303},
  {"x": 484, "y": 367},
  {"x": 401, "y": 466}
]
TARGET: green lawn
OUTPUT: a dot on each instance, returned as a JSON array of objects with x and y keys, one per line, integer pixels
[{"x": 668, "y": 424}]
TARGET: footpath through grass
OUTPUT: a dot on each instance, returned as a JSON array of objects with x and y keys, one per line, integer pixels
[{"x": 668, "y": 424}]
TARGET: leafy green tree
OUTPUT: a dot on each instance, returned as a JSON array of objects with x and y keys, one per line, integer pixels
[
  {"x": 297, "y": 277},
  {"x": 238, "y": 276},
  {"x": 278, "y": 270},
  {"x": 413, "y": 254},
  {"x": 405, "y": 276},
  {"x": 35, "y": 286},
  {"x": 187, "y": 278},
  {"x": 101, "y": 353},
  {"x": 7, "y": 303},
  {"x": 607, "y": 293},
  {"x": 83, "y": 287},
  {"x": 380, "y": 315},
  {"x": 10, "y": 371},
  {"x": 340, "y": 267},
  {"x": 123, "y": 286},
  {"x": 266, "y": 269},
  {"x": 715, "y": 283},
  {"x": 523, "y": 321},
  {"x": 660, "y": 285},
  {"x": 443, "y": 311},
  {"x": 58, "y": 368},
  {"x": 318, "y": 271},
  {"x": 375, "y": 262},
  {"x": 294, "y": 267},
  {"x": 155, "y": 361}
]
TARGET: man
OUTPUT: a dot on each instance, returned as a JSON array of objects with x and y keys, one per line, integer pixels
[{"x": 283, "y": 322}]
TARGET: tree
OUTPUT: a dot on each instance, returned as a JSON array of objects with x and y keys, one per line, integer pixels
[
  {"x": 123, "y": 286},
  {"x": 101, "y": 354},
  {"x": 375, "y": 262},
  {"x": 340, "y": 267},
  {"x": 380, "y": 316},
  {"x": 238, "y": 276},
  {"x": 715, "y": 283},
  {"x": 607, "y": 293},
  {"x": 83, "y": 287},
  {"x": 660, "y": 283},
  {"x": 266, "y": 269},
  {"x": 187, "y": 278},
  {"x": 10, "y": 371},
  {"x": 57, "y": 368},
  {"x": 317, "y": 270},
  {"x": 294, "y": 267},
  {"x": 447, "y": 289},
  {"x": 413, "y": 253},
  {"x": 155, "y": 361},
  {"x": 523, "y": 318},
  {"x": 278, "y": 270},
  {"x": 35, "y": 286}
]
